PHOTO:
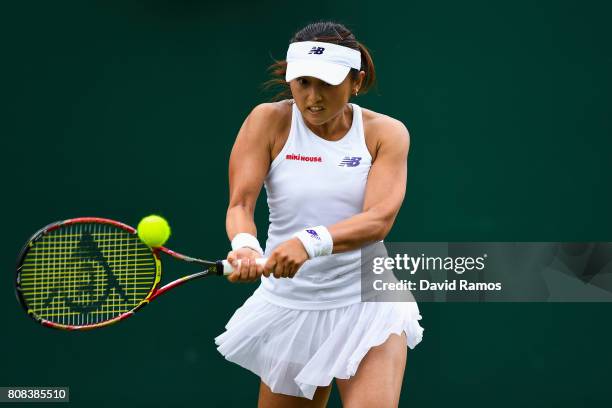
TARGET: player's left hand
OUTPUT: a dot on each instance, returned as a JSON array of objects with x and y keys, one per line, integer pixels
[{"x": 286, "y": 259}]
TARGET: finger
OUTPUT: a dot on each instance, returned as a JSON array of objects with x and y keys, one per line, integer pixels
[
  {"x": 232, "y": 277},
  {"x": 293, "y": 271},
  {"x": 287, "y": 270},
  {"x": 287, "y": 265},
  {"x": 260, "y": 271},
  {"x": 245, "y": 264},
  {"x": 269, "y": 268},
  {"x": 253, "y": 271},
  {"x": 278, "y": 270}
]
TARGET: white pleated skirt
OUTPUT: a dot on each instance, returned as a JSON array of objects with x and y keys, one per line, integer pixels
[{"x": 295, "y": 351}]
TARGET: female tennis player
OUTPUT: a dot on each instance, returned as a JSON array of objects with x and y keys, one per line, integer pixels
[{"x": 335, "y": 178}]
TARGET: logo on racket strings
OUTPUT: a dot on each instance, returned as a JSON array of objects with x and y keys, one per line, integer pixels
[{"x": 87, "y": 280}]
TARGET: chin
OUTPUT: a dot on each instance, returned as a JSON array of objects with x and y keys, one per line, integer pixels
[{"x": 318, "y": 120}]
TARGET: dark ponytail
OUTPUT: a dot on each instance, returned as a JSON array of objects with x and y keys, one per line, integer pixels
[{"x": 324, "y": 31}]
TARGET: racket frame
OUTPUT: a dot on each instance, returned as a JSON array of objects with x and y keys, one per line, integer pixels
[{"x": 212, "y": 268}]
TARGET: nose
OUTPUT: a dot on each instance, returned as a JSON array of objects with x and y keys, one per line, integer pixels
[{"x": 314, "y": 94}]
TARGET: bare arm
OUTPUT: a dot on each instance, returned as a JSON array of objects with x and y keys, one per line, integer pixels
[
  {"x": 249, "y": 163},
  {"x": 248, "y": 166},
  {"x": 384, "y": 194}
]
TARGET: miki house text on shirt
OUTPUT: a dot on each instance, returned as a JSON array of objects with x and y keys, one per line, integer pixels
[{"x": 299, "y": 157}]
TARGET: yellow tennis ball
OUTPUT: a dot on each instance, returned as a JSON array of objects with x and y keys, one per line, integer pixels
[{"x": 153, "y": 230}]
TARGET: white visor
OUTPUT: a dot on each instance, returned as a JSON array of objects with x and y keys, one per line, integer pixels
[{"x": 328, "y": 62}]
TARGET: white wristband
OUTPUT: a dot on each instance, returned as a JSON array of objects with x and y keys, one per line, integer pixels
[
  {"x": 245, "y": 240},
  {"x": 316, "y": 240}
]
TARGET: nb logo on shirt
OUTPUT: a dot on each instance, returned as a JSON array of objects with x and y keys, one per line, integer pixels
[
  {"x": 316, "y": 50},
  {"x": 350, "y": 161},
  {"x": 313, "y": 234}
]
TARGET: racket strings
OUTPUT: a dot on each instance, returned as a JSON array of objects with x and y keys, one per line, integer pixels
[{"x": 86, "y": 273}]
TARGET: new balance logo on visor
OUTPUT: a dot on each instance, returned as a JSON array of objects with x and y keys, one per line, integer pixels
[
  {"x": 350, "y": 161},
  {"x": 316, "y": 50},
  {"x": 313, "y": 234}
]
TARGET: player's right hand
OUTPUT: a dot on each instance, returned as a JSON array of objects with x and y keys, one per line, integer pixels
[{"x": 246, "y": 270}]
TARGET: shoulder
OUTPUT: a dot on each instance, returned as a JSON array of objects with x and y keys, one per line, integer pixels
[
  {"x": 384, "y": 131},
  {"x": 268, "y": 125},
  {"x": 272, "y": 114},
  {"x": 269, "y": 122}
]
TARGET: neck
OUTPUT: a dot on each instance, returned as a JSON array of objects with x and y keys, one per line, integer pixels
[{"x": 335, "y": 128}]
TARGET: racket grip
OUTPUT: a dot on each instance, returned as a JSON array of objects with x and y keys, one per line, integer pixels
[{"x": 228, "y": 268}]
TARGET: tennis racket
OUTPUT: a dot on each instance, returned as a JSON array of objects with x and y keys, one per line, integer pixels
[{"x": 86, "y": 273}]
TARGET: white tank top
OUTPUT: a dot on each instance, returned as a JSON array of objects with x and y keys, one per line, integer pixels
[{"x": 313, "y": 182}]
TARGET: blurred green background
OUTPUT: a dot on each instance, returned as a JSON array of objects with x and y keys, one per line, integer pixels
[{"x": 123, "y": 108}]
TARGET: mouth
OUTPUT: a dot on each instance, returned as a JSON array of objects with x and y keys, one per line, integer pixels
[{"x": 315, "y": 109}]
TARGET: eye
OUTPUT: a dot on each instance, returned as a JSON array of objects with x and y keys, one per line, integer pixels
[{"x": 302, "y": 81}]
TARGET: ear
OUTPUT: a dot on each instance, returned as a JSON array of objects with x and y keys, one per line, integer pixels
[
  {"x": 358, "y": 82},
  {"x": 362, "y": 75}
]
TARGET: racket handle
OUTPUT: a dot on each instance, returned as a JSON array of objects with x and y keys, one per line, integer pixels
[{"x": 228, "y": 268}]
